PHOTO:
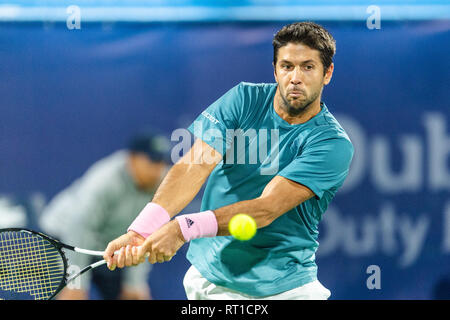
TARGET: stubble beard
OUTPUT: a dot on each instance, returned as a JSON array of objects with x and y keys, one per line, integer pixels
[{"x": 294, "y": 111}]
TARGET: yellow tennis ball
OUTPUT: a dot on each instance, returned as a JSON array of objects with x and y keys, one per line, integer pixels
[{"x": 242, "y": 226}]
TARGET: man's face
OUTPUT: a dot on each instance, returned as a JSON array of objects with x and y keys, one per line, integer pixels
[
  {"x": 146, "y": 173},
  {"x": 300, "y": 76}
]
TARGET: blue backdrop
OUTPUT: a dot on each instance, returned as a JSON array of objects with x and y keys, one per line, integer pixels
[{"x": 71, "y": 97}]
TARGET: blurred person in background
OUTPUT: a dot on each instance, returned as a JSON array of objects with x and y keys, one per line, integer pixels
[{"x": 99, "y": 205}]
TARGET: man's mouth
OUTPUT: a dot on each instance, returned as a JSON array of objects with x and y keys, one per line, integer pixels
[
  {"x": 295, "y": 93},
  {"x": 295, "y": 90}
]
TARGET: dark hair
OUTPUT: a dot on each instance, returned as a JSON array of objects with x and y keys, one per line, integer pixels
[
  {"x": 154, "y": 145},
  {"x": 310, "y": 34}
]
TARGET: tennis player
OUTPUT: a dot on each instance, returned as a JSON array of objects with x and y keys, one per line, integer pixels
[{"x": 286, "y": 190}]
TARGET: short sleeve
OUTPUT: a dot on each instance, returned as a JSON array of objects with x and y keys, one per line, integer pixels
[
  {"x": 321, "y": 167},
  {"x": 224, "y": 114}
]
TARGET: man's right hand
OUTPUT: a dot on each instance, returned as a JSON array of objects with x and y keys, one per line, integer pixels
[{"x": 125, "y": 243}]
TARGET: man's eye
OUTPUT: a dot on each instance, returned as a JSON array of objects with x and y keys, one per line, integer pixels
[
  {"x": 286, "y": 66},
  {"x": 309, "y": 67}
]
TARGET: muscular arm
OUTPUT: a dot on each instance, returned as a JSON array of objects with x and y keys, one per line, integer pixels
[
  {"x": 181, "y": 185},
  {"x": 185, "y": 179},
  {"x": 279, "y": 196}
]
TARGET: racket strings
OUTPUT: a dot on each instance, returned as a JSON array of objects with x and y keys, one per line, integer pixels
[{"x": 29, "y": 264}]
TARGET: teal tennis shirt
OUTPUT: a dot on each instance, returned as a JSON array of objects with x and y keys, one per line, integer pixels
[{"x": 257, "y": 145}]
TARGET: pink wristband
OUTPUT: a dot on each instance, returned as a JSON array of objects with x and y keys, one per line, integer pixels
[
  {"x": 150, "y": 219},
  {"x": 198, "y": 225}
]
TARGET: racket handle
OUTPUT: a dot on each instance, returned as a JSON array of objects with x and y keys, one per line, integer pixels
[{"x": 92, "y": 252}]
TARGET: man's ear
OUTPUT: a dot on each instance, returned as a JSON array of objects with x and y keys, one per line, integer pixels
[{"x": 328, "y": 74}]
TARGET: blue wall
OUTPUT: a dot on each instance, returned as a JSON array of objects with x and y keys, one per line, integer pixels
[{"x": 70, "y": 97}]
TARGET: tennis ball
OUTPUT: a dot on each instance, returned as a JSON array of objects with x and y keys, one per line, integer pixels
[{"x": 242, "y": 227}]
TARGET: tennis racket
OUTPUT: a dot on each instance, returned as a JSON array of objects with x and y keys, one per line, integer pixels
[{"x": 33, "y": 265}]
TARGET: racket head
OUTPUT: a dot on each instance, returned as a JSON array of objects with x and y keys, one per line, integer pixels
[{"x": 32, "y": 265}]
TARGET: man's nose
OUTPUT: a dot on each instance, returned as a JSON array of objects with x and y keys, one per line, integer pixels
[{"x": 296, "y": 76}]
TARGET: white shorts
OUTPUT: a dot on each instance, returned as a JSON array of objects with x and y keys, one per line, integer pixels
[{"x": 198, "y": 288}]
